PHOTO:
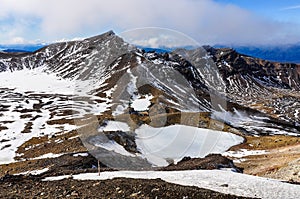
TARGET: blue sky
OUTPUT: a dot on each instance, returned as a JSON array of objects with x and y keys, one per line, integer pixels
[
  {"x": 251, "y": 22},
  {"x": 286, "y": 11}
]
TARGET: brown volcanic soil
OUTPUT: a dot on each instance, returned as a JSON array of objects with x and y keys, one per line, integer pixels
[
  {"x": 31, "y": 187},
  {"x": 282, "y": 160}
]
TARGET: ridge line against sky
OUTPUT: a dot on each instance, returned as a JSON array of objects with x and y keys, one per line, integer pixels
[{"x": 269, "y": 22}]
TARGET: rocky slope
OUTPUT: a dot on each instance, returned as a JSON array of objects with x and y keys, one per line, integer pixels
[
  {"x": 117, "y": 188},
  {"x": 100, "y": 94}
]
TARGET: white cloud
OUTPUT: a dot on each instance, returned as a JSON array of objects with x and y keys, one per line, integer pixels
[
  {"x": 17, "y": 40},
  {"x": 291, "y": 7},
  {"x": 157, "y": 37},
  {"x": 205, "y": 20},
  {"x": 151, "y": 42}
]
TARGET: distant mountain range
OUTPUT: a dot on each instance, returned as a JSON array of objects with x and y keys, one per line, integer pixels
[
  {"x": 20, "y": 47},
  {"x": 285, "y": 53}
]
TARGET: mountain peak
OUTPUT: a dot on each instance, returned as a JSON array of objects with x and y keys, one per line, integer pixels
[{"x": 106, "y": 35}]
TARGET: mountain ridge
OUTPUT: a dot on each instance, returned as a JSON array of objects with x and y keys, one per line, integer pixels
[
  {"x": 70, "y": 104},
  {"x": 244, "y": 80},
  {"x": 276, "y": 53}
]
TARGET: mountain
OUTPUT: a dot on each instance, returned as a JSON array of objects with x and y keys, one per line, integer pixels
[
  {"x": 68, "y": 103},
  {"x": 253, "y": 81},
  {"x": 20, "y": 47},
  {"x": 164, "y": 49},
  {"x": 280, "y": 53},
  {"x": 249, "y": 82}
]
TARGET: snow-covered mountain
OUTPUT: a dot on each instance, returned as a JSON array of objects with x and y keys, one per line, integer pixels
[
  {"x": 244, "y": 80},
  {"x": 69, "y": 104},
  {"x": 103, "y": 79}
]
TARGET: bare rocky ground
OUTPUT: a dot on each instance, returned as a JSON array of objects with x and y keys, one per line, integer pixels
[
  {"x": 28, "y": 186},
  {"x": 281, "y": 159},
  {"x": 32, "y": 187}
]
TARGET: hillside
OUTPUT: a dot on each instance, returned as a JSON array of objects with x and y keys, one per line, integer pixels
[{"x": 69, "y": 104}]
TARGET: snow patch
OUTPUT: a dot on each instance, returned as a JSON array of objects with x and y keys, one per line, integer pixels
[
  {"x": 36, "y": 80},
  {"x": 81, "y": 154},
  {"x": 296, "y": 113},
  {"x": 159, "y": 146},
  {"x": 178, "y": 141},
  {"x": 142, "y": 104},
  {"x": 236, "y": 183},
  {"x": 243, "y": 153},
  {"x": 115, "y": 126},
  {"x": 48, "y": 155},
  {"x": 111, "y": 145},
  {"x": 34, "y": 172}
]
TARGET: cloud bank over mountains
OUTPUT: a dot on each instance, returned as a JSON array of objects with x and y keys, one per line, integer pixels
[{"x": 207, "y": 21}]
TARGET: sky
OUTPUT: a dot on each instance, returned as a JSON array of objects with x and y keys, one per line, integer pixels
[{"x": 242, "y": 22}]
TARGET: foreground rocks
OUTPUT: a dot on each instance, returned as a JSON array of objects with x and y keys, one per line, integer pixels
[
  {"x": 33, "y": 187},
  {"x": 29, "y": 186},
  {"x": 212, "y": 161}
]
